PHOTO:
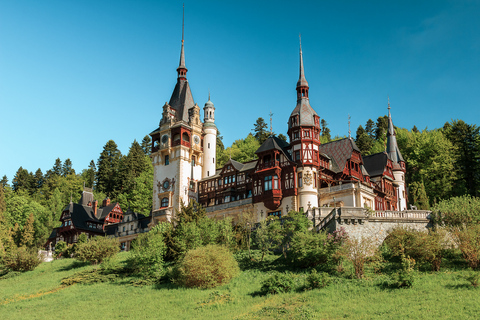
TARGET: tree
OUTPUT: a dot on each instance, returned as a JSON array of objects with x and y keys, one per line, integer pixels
[
  {"x": 261, "y": 134},
  {"x": 57, "y": 167},
  {"x": 38, "y": 179},
  {"x": 430, "y": 158},
  {"x": 4, "y": 181},
  {"x": 282, "y": 137},
  {"x": 89, "y": 174},
  {"x": 370, "y": 128},
  {"x": 28, "y": 232},
  {"x": 108, "y": 165},
  {"x": 363, "y": 141},
  {"x": 131, "y": 167},
  {"x": 23, "y": 181},
  {"x": 418, "y": 195},
  {"x": 325, "y": 130},
  {"x": 67, "y": 168},
  {"x": 147, "y": 145},
  {"x": 381, "y": 128},
  {"x": 466, "y": 140}
]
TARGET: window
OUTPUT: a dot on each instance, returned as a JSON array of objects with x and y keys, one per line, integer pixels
[
  {"x": 193, "y": 161},
  {"x": 268, "y": 183},
  {"x": 167, "y": 160},
  {"x": 297, "y": 155},
  {"x": 314, "y": 179},
  {"x": 164, "y": 202},
  {"x": 295, "y": 135},
  {"x": 300, "y": 180},
  {"x": 209, "y": 145},
  {"x": 131, "y": 227},
  {"x": 124, "y": 229},
  {"x": 275, "y": 182},
  {"x": 275, "y": 214},
  {"x": 249, "y": 193}
]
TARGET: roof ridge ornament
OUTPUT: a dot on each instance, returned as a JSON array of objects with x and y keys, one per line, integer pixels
[{"x": 182, "y": 69}]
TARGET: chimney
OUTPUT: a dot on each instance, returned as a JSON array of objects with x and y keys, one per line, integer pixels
[
  {"x": 94, "y": 205},
  {"x": 106, "y": 202}
]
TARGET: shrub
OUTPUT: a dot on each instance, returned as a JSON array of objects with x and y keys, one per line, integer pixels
[
  {"x": 405, "y": 277},
  {"x": 468, "y": 241},
  {"x": 423, "y": 246},
  {"x": 148, "y": 252},
  {"x": 97, "y": 249},
  {"x": 473, "y": 277},
  {"x": 358, "y": 251},
  {"x": 21, "y": 258},
  {"x": 207, "y": 267},
  {"x": 457, "y": 211},
  {"x": 317, "y": 280},
  {"x": 278, "y": 283},
  {"x": 60, "y": 249},
  {"x": 310, "y": 249}
]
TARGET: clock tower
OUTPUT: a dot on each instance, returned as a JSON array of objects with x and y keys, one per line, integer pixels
[{"x": 183, "y": 148}]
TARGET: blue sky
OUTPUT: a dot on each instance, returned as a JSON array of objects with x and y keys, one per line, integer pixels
[{"x": 75, "y": 74}]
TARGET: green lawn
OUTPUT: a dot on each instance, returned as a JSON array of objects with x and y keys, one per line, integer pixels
[{"x": 38, "y": 294}]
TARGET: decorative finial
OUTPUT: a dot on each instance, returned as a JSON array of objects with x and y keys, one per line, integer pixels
[
  {"x": 349, "y": 131},
  {"x": 183, "y": 22},
  {"x": 388, "y": 98},
  {"x": 271, "y": 129},
  {"x": 208, "y": 94}
]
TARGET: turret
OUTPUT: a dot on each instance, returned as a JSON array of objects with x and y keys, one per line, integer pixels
[
  {"x": 209, "y": 139},
  {"x": 394, "y": 154}
]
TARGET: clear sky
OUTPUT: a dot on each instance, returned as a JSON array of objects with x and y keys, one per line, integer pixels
[{"x": 75, "y": 74}]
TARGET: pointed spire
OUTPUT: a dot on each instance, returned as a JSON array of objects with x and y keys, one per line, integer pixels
[
  {"x": 349, "y": 131},
  {"x": 182, "y": 69},
  {"x": 392, "y": 147},
  {"x": 302, "y": 84}
]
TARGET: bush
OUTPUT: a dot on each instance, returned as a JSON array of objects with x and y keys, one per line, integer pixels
[
  {"x": 97, "y": 249},
  {"x": 310, "y": 249},
  {"x": 473, "y": 277},
  {"x": 405, "y": 277},
  {"x": 148, "y": 252},
  {"x": 60, "y": 249},
  {"x": 468, "y": 241},
  {"x": 424, "y": 247},
  {"x": 317, "y": 280},
  {"x": 358, "y": 251},
  {"x": 278, "y": 283},
  {"x": 457, "y": 211},
  {"x": 207, "y": 267},
  {"x": 21, "y": 258}
]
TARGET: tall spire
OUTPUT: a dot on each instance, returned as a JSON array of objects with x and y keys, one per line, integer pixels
[
  {"x": 392, "y": 147},
  {"x": 182, "y": 69},
  {"x": 302, "y": 84}
]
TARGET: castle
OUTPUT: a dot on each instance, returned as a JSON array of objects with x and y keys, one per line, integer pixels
[
  {"x": 303, "y": 175},
  {"x": 331, "y": 183}
]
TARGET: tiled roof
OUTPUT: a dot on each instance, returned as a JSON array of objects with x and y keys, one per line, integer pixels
[
  {"x": 339, "y": 151},
  {"x": 375, "y": 164},
  {"x": 182, "y": 100},
  {"x": 274, "y": 143}
]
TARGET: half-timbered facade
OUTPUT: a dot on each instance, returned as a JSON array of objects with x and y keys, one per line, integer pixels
[{"x": 85, "y": 217}]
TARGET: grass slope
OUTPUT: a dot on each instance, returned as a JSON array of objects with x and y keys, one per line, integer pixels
[{"x": 39, "y": 294}]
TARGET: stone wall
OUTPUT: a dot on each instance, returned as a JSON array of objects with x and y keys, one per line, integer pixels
[{"x": 359, "y": 222}]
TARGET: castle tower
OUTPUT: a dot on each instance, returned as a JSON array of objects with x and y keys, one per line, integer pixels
[
  {"x": 304, "y": 134},
  {"x": 177, "y": 154},
  {"x": 209, "y": 139},
  {"x": 398, "y": 163}
]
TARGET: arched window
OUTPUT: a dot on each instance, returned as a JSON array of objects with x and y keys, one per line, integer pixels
[
  {"x": 185, "y": 137},
  {"x": 164, "y": 202}
]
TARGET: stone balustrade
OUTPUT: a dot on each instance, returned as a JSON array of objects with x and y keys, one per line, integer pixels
[{"x": 400, "y": 215}]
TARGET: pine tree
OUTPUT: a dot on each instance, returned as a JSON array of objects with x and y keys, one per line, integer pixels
[
  {"x": 261, "y": 134},
  {"x": 23, "y": 181},
  {"x": 38, "y": 179},
  {"x": 381, "y": 128},
  {"x": 147, "y": 145},
  {"x": 57, "y": 167},
  {"x": 282, "y": 137},
  {"x": 67, "y": 168},
  {"x": 28, "y": 232},
  {"x": 132, "y": 166},
  {"x": 4, "y": 181},
  {"x": 108, "y": 165},
  {"x": 325, "y": 130},
  {"x": 370, "y": 128},
  {"x": 89, "y": 174}
]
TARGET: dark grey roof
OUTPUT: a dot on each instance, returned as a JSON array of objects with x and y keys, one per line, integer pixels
[
  {"x": 182, "y": 100},
  {"x": 392, "y": 147},
  {"x": 375, "y": 164},
  {"x": 274, "y": 143},
  {"x": 305, "y": 113},
  {"x": 339, "y": 152},
  {"x": 80, "y": 215}
]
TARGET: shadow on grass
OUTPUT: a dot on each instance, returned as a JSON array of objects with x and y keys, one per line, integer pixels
[
  {"x": 74, "y": 265},
  {"x": 460, "y": 286}
]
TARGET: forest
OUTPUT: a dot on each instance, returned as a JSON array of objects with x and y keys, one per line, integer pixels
[{"x": 441, "y": 163}]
